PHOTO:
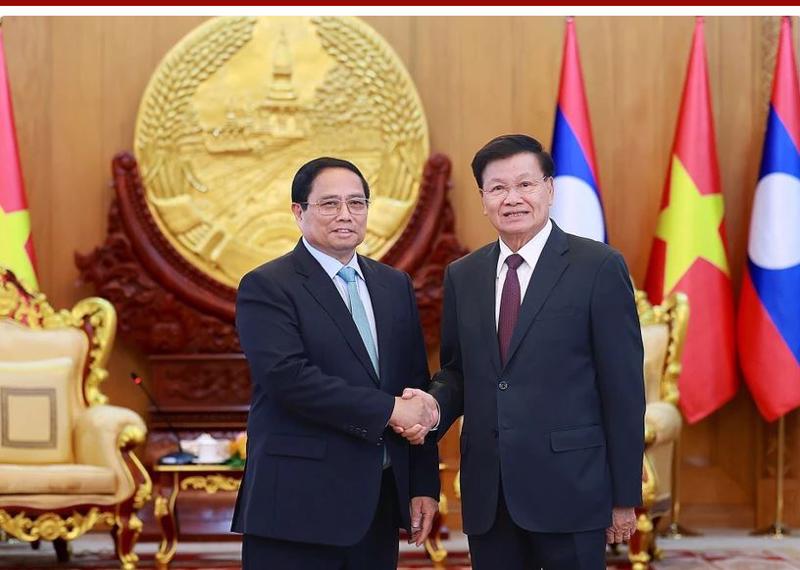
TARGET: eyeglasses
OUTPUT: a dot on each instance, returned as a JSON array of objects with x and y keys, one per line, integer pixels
[
  {"x": 331, "y": 207},
  {"x": 524, "y": 187}
]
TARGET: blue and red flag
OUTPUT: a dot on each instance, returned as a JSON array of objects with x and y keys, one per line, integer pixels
[
  {"x": 769, "y": 306},
  {"x": 578, "y": 206}
]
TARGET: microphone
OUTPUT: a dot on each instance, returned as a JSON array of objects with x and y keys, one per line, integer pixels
[{"x": 179, "y": 457}]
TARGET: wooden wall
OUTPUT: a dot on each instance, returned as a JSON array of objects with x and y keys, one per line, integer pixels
[{"x": 76, "y": 84}]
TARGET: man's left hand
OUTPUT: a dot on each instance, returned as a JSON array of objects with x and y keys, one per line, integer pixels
[
  {"x": 623, "y": 525},
  {"x": 423, "y": 509}
]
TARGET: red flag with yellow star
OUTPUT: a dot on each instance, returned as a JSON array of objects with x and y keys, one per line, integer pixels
[
  {"x": 16, "y": 243},
  {"x": 690, "y": 248}
]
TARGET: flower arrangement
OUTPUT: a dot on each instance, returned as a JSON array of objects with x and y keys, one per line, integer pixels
[{"x": 238, "y": 450}]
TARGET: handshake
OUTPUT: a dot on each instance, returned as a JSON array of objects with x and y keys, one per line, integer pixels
[{"x": 414, "y": 415}]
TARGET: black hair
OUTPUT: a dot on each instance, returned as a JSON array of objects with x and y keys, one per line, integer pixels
[
  {"x": 506, "y": 146},
  {"x": 304, "y": 179}
]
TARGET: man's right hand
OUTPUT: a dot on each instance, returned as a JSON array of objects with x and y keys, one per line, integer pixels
[
  {"x": 413, "y": 413},
  {"x": 415, "y": 433}
]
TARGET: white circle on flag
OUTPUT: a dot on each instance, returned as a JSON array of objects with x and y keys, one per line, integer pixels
[
  {"x": 576, "y": 208},
  {"x": 775, "y": 223}
]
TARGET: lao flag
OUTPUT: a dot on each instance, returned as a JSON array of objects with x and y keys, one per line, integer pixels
[
  {"x": 578, "y": 207},
  {"x": 769, "y": 307}
]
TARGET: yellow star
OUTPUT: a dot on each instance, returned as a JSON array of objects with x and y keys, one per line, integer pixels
[
  {"x": 15, "y": 228},
  {"x": 690, "y": 227}
]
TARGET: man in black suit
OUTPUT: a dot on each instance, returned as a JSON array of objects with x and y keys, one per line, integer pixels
[
  {"x": 332, "y": 338},
  {"x": 541, "y": 352}
]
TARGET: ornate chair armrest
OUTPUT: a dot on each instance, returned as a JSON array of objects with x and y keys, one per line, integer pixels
[
  {"x": 105, "y": 436},
  {"x": 662, "y": 423},
  {"x": 102, "y": 430}
]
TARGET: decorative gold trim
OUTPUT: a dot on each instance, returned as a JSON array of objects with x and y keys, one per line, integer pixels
[
  {"x": 96, "y": 317},
  {"x": 28, "y": 308},
  {"x": 51, "y": 526},
  {"x": 673, "y": 312},
  {"x": 145, "y": 490},
  {"x": 641, "y": 560},
  {"x": 129, "y": 437},
  {"x": 160, "y": 507},
  {"x": 102, "y": 318},
  {"x": 128, "y": 560},
  {"x": 211, "y": 483},
  {"x": 649, "y": 433},
  {"x": 436, "y": 550},
  {"x": 649, "y": 483}
]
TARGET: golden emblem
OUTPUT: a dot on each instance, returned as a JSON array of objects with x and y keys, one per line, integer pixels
[{"x": 238, "y": 105}]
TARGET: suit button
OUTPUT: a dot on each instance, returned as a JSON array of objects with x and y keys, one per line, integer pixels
[{"x": 503, "y": 385}]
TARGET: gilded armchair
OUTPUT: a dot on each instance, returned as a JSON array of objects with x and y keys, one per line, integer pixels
[
  {"x": 66, "y": 457},
  {"x": 663, "y": 334}
]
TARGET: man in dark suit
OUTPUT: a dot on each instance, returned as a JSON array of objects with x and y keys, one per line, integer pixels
[
  {"x": 541, "y": 352},
  {"x": 332, "y": 338}
]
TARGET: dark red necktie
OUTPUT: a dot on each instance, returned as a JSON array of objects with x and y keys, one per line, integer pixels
[{"x": 509, "y": 305}]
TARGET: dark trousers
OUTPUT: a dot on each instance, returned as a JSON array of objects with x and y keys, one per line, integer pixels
[
  {"x": 511, "y": 547},
  {"x": 376, "y": 551}
]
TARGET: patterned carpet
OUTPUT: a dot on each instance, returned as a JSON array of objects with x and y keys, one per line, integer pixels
[
  {"x": 733, "y": 550},
  {"x": 772, "y": 558}
]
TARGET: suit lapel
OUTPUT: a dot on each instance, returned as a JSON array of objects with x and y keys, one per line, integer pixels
[
  {"x": 382, "y": 309},
  {"x": 324, "y": 291},
  {"x": 549, "y": 268},
  {"x": 486, "y": 276}
]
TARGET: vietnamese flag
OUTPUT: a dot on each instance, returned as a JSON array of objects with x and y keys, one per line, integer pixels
[
  {"x": 689, "y": 251},
  {"x": 16, "y": 244}
]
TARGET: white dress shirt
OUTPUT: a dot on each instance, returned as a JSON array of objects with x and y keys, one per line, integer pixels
[
  {"x": 331, "y": 266},
  {"x": 530, "y": 253}
]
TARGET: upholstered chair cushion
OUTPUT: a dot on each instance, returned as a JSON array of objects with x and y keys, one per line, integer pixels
[
  {"x": 35, "y": 415},
  {"x": 65, "y": 479},
  {"x": 20, "y": 343},
  {"x": 655, "y": 338}
]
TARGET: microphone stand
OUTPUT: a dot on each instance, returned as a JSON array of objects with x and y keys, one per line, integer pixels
[{"x": 179, "y": 457}]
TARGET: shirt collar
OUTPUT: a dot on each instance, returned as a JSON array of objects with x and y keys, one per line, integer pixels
[
  {"x": 331, "y": 265},
  {"x": 530, "y": 252}
]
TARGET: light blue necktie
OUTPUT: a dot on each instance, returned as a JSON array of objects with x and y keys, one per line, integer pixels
[
  {"x": 362, "y": 324},
  {"x": 359, "y": 314}
]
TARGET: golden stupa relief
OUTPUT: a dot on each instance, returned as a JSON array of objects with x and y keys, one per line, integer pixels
[{"x": 239, "y": 104}]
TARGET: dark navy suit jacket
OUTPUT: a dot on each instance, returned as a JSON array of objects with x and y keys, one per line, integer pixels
[
  {"x": 317, "y": 423},
  {"x": 563, "y": 421}
]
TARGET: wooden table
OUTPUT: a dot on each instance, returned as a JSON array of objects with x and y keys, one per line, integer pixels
[{"x": 170, "y": 480}]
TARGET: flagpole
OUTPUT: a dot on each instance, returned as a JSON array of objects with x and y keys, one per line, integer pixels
[
  {"x": 777, "y": 529},
  {"x": 676, "y": 530}
]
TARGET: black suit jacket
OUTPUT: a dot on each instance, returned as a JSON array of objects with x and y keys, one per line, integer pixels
[
  {"x": 563, "y": 421},
  {"x": 317, "y": 423}
]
